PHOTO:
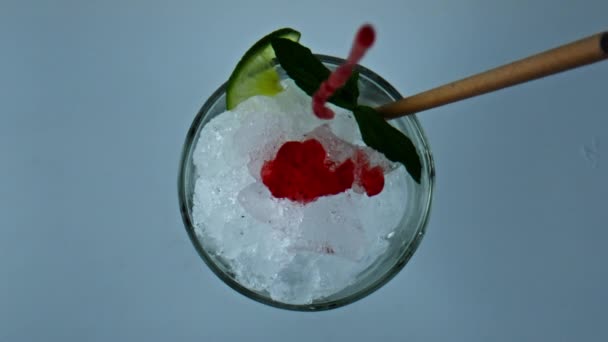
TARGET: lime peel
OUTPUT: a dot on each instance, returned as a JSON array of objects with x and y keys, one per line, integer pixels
[{"x": 255, "y": 74}]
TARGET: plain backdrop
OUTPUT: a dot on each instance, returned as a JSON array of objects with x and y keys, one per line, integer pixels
[{"x": 95, "y": 101}]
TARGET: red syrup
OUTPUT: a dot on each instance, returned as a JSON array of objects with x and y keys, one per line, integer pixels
[{"x": 302, "y": 172}]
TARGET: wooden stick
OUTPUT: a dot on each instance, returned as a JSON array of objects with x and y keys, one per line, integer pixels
[{"x": 585, "y": 51}]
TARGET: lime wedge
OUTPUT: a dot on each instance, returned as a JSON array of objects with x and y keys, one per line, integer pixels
[{"x": 254, "y": 74}]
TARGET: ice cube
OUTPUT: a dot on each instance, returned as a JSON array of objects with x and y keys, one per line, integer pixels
[
  {"x": 258, "y": 202},
  {"x": 331, "y": 226},
  {"x": 337, "y": 149},
  {"x": 298, "y": 281}
]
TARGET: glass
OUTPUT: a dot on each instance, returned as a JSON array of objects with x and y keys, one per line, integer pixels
[{"x": 403, "y": 242}]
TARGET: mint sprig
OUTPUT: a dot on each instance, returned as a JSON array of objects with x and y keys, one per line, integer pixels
[{"x": 308, "y": 72}]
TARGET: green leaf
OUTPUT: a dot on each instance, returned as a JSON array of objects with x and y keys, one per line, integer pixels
[
  {"x": 308, "y": 72},
  {"x": 381, "y": 136}
]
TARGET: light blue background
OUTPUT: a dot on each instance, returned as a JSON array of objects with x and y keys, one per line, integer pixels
[{"x": 95, "y": 101}]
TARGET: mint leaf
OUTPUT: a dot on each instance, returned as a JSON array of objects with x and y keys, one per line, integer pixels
[
  {"x": 381, "y": 136},
  {"x": 308, "y": 72}
]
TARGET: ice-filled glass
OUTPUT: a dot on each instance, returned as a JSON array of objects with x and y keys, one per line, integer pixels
[{"x": 306, "y": 255}]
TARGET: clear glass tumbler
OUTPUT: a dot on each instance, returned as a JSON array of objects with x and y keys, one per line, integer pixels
[{"x": 374, "y": 91}]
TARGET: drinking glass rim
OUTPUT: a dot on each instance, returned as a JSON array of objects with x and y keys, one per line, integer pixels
[{"x": 188, "y": 147}]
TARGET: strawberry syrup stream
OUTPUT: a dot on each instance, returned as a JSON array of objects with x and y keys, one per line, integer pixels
[{"x": 363, "y": 41}]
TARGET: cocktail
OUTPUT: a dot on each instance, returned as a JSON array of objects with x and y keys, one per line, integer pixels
[{"x": 294, "y": 210}]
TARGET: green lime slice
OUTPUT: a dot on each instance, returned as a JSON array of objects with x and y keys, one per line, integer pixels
[{"x": 255, "y": 74}]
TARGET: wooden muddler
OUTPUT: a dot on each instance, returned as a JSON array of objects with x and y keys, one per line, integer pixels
[{"x": 565, "y": 57}]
